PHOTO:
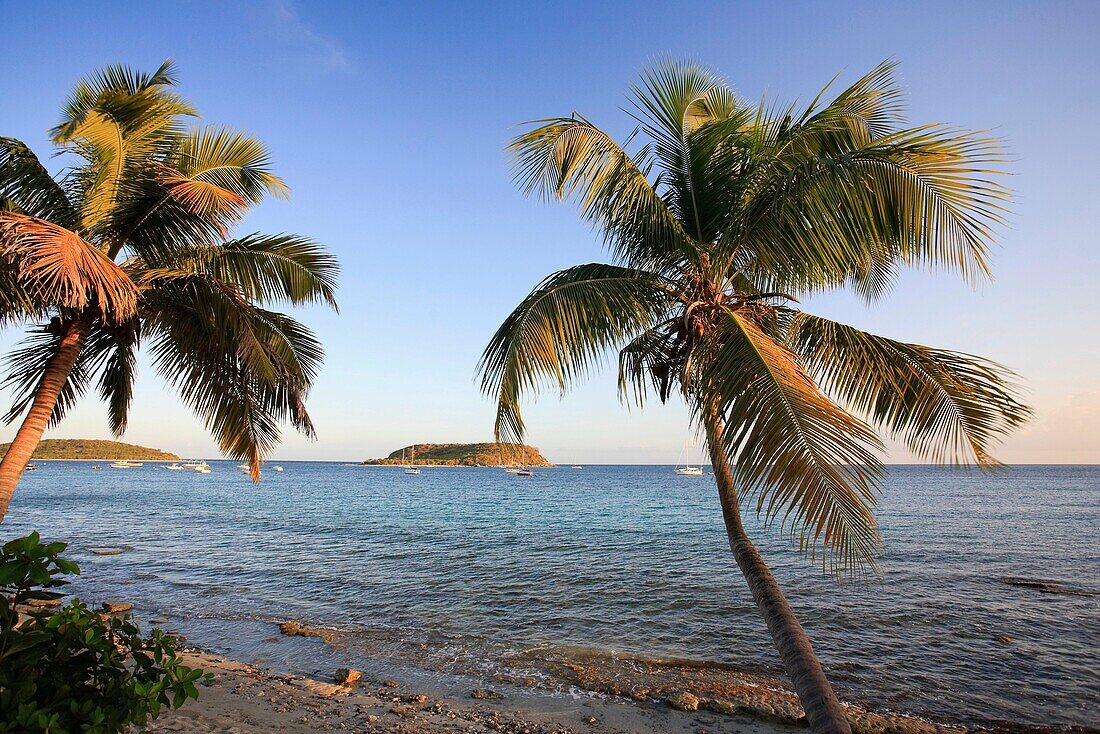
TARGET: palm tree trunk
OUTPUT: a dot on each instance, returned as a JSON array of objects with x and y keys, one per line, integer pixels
[
  {"x": 824, "y": 712},
  {"x": 38, "y": 417}
]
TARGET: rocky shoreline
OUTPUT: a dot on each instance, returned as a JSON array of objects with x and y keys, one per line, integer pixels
[{"x": 526, "y": 694}]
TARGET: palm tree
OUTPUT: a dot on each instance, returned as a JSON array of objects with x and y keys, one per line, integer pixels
[
  {"x": 128, "y": 245},
  {"x": 717, "y": 225}
]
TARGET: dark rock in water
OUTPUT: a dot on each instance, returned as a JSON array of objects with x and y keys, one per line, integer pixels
[
  {"x": 291, "y": 629},
  {"x": 389, "y": 683},
  {"x": 106, "y": 551},
  {"x": 1046, "y": 586},
  {"x": 683, "y": 701},
  {"x": 1003, "y": 639},
  {"x": 347, "y": 676},
  {"x": 158, "y": 620},
  {"x": 117, "y": 607},
  {"x": 484, "y": 693}
]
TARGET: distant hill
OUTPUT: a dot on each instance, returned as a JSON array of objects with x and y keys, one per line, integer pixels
[
  {"x": 88, "y": 448},
  {"x": 465, "y": 454}
]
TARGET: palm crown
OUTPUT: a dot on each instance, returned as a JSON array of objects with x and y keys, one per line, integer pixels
[
  {"x": 129, "y": 246},
  {"x": 718, "y": 224}
]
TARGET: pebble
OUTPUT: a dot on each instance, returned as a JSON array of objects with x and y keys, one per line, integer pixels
[
  {"x": 347, "y": 676},
  {"x": 484, "y": 693}
]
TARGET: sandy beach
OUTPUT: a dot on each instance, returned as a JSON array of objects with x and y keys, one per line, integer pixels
[
  {"x": 575, "y": 694},
  {"x": 244, "y": 698}
]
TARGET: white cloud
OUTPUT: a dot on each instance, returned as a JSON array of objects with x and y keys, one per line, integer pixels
[{"x": 290, "y": 26}]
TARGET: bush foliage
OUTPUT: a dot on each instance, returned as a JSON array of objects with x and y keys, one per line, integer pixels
[{"x": 73, "y": 669}]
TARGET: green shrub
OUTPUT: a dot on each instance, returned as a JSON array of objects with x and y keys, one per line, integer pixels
[{"x": 73, "y": 669}]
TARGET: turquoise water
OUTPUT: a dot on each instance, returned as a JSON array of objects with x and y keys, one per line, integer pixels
[{"x": 629, "y": 558}]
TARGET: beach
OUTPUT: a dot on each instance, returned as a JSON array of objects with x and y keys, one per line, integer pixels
[{"x": 244, "y": 699}]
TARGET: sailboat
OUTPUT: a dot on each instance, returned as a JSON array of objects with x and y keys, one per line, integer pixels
[
  {"x": 508, "y": 468},
  {"x": 409, "y": 468},
  {"x": 686, "y": 469}
]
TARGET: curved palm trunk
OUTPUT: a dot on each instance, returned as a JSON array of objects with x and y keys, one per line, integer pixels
[
  {"x": 38, "y": 417},
  {"x": 824, "y": 712}
]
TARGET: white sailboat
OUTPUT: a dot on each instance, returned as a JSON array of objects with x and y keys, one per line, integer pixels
[
  {"x": 686, "y": 469},
  {"x": 508, "y": 468},
  {"x": 126, "y": 464},
  {"x": 409, "y": 468}
]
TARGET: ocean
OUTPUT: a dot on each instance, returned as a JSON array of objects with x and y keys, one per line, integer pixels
[{"x": 470, "y": 565}]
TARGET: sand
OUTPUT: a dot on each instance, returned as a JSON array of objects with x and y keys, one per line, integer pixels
[{"x": 247, "y": 699}]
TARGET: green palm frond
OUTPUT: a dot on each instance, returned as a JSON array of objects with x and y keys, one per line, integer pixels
[
  {"x": 647, "y": 362},
  {"x": 25, "y": 365},
  {"x": 118, "y": 373},
  {"x": 807, "y": 461},
  {"x": 122, "y": 123},
  {"x": 111, "y": 83},
  {"x": 241, "y": 368},
  {"x": 570, "y": 158},
  {"x": 681, "y": 106},
  {"x": 27, "y": 187},
  {"x": 946, "y": 406},
  {"x": 192, "y": 197},
  {"x": 219, "y": 172},
  {"x": 849, "y": 192},
  {"x": 562, "y": 330},
  {"x": 280, "y": 268}
]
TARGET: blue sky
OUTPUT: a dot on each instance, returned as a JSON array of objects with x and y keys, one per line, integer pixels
[{"x": 388, "y": 120}]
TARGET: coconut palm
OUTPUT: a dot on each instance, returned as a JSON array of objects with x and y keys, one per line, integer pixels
[
  {"x": 718, "y": 224},
  {"x": 128, "y": 246}
]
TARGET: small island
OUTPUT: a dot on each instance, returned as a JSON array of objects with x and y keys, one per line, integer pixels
[
  {"x": 464, "y": 454},
  {"x": 89, "y": 449}
]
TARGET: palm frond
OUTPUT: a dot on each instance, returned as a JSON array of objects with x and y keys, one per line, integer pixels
[
  {"x": 28, "y": 188},
  {"x": 946, "y": 406},
  {"x": 195, "y": 194},
  {"x": 562, "y": 330},
  {"x": 674, "y": 102},
  {"x": 570, "y": 158},
  {"x": 122, "y": 123},
  {"x": 26, "y": 365},
  {"x": 280, "y": 268},
  {"x": 809, "y": 463},
  {"x": 59, "y": 268},
  {"x": 218, "y": 172},
  {"x": 241, "y": 368},
  {"x": 848, "y": 194}
]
